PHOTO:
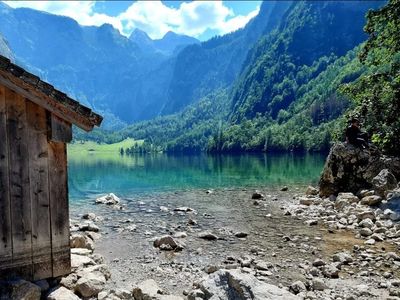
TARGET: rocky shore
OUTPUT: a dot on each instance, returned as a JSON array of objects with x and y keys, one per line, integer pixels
[{"x": 284, "y": 243}]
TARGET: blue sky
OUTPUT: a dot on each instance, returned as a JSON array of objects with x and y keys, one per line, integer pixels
[{"x": 201, "y": 19}]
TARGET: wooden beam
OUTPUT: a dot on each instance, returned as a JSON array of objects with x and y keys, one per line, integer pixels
[
  {"x": 45, "y": 101},
  {"x": 19, "y": 184},
  {"x": 59, "y": 208},
  {"x": 39, "y": 180},
  {"x": 60, "y": 130},
  {"x": 5, "y": 207}
]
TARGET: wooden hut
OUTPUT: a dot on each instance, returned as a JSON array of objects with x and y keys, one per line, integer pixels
[{"x": 35, "y": 125}]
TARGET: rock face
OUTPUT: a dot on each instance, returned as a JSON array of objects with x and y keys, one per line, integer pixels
[
  {"x": 350, "y": 169},
  {"x": 235, "y": 285}
]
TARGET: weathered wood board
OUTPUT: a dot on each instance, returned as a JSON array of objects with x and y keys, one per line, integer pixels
[
  {"x": 39, "y": 179},
  {"x": 59, "y": 208},
  {"x": 17, "y": 131},
  {"x": 61, "y": 131},
  {"x": 5, "y": 213}
]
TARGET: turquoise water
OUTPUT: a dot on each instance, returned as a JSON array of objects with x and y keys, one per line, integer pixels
[{"x": 143, "y": 174}]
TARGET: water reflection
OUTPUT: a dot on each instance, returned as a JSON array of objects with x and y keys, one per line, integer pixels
[{"x": 158, "y": 172}]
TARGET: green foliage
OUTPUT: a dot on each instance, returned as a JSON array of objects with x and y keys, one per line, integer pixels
[{"x": 377, "y": 93}]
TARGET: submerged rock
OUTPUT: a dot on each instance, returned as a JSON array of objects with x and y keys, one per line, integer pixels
[
  {"x": 235, "y": 285},
  {"x": 206, "y": 235},
  {"x": 167, "y": 242},
  {"x": 257, "y": 195},
  {"x": 109, "y": 199}
]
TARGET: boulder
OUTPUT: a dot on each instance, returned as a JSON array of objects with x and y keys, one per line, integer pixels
[
  {"x": 80, "y": 261},
  {"x": 348, "y": 168},
  {"x": 371, "y": 200},
  {"x": 257, "y": 195},
  {"x": 61, "y": 293},
  {"x": 345, "y": 199},
  {"x": 235, "y": 285},
  {"x": 342, "y": 257},
  {"x": 90, "y": 284},
  {"x": 384, "y": 182},
  {"x": 19, "y": 289},
  {"x": 206, "y": 235},
  {"x": 311, "y": 191},
  {"x": 167, "y": 242},
  {"x": 146, "y": 290},
  {"x": 297, "y": 287},
  {"x": 109, "y": 199}
]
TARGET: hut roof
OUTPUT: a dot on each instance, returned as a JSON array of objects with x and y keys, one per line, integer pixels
[{"x": 44, "y": 94}]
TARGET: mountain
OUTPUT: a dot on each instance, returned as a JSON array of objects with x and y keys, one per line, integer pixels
[
  {"x": 4, "y": 48},
  {"x": 172, "y": 42},
  {"x": 216, "y": 63},
  {"x": 96, "y": 65},
  {"x": 132, "y": 79},
  {"x": 286, "y": 94},
  {"x": 168, "y": 45},
  {"x": 310, "y": 31}
]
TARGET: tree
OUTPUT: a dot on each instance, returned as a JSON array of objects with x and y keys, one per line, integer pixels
[{"x": 377, "y": 94}]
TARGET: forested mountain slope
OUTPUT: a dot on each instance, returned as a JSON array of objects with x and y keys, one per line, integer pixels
[
  {"x": 287, "y": 95},
  {"x": 203, "y": 68}
]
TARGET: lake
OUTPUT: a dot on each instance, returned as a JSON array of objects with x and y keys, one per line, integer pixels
[{"x": 128, "y": 176}]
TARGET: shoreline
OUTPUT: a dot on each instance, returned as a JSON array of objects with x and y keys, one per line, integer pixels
[
  {"x": 297, "y": 247},
  {"x": 290, "y": 242}
]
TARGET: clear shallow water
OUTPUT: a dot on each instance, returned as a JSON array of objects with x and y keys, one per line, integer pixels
[{"x": 144, "y": 174}]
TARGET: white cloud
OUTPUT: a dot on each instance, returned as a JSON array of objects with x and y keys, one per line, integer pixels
[{"x": 154, "y": 17}]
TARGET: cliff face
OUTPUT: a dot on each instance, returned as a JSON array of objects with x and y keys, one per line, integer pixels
[
  {"x": 5, "y": 49},
  {"x": 350, "y": 169}
]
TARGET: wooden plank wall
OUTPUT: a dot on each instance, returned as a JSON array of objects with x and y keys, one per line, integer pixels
[
  {"x": 5, "y": 213},
  {"x": 34, "y": 216}
]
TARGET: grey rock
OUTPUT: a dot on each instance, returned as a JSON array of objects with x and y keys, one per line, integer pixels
[
  {"x": 184, "y": 209},
  {"x": 206, "y": 235},
  {"x": 241, "y": 234},
  {"x": 69, "y": 281},
  {"x": 297, "y": 287},
  {"x": 146, "y": 290},
  {"x": 365, "y": 231},
  {"x": 342, "y": 257},
  {"x": 383, "y": 182},
  {"x": 235, "y": 285},
  {"x": 19, "y": 289},
  {"x": 169, "y": 241},
  {"x": 311, "y": 191},
  {"x": 330, "y": 271},
  {"x": 318, "y": 263},
  {"x": 61, "y": 293},
  {"x": 257, "y": 195},
  {"x": 80, "y": 261},
  {"x": 348, "y": 168},
  {"x": 366, "y": 223},
  {"x": 318, "y": 284},
  {"x": 109, "y": 199},
  {"x": 371, "y": 200},
  {"x": 79, "y": 240},
  {"x": 90, "y": 284}
]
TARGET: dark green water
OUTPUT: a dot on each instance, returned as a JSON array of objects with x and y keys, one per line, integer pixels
[{"x": 143, "y": 174}]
